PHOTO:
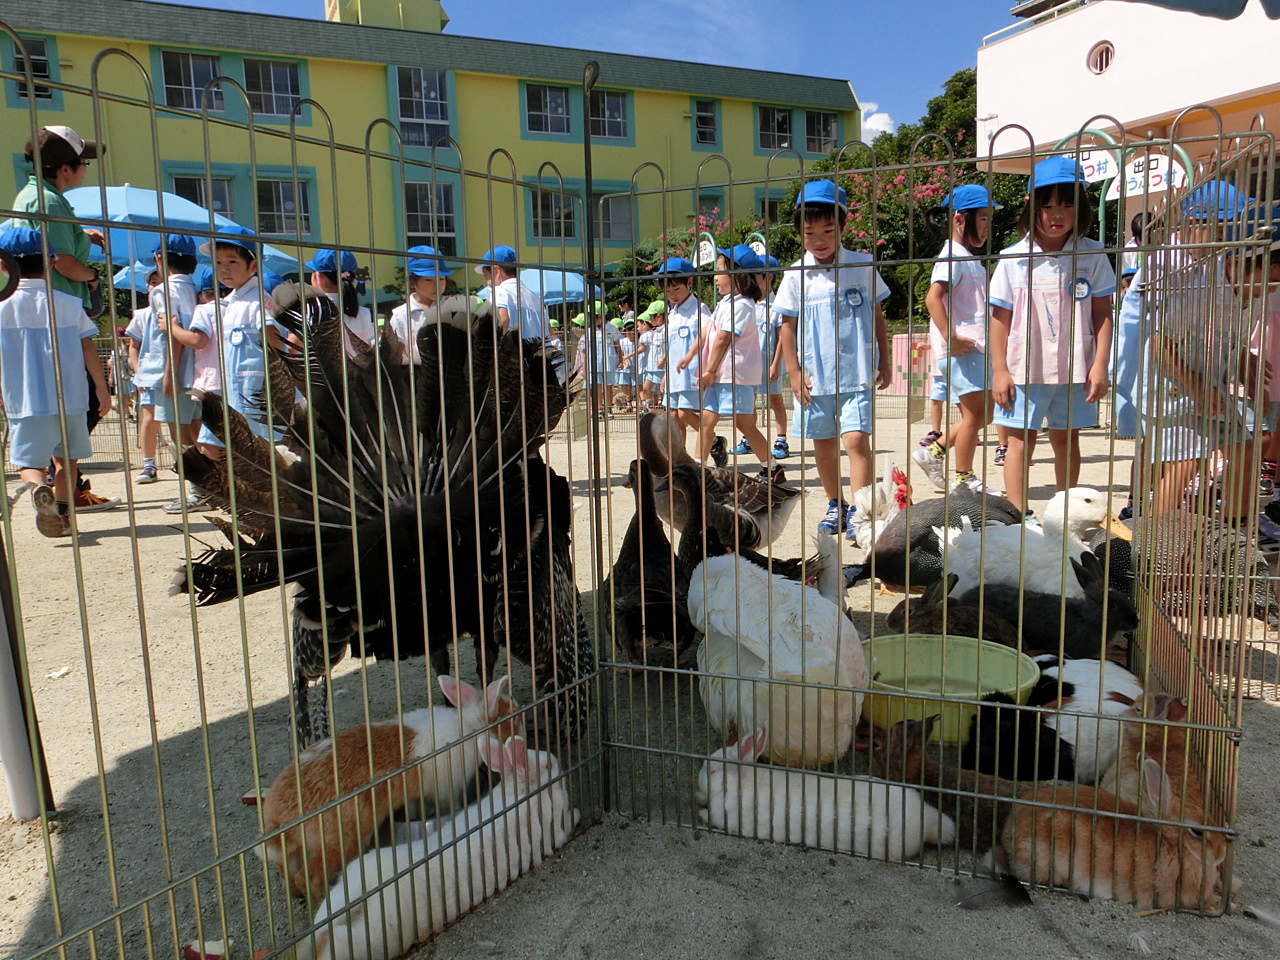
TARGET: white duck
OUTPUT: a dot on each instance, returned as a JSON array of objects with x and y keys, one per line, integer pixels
[
  {"x": 879, "y": 503},
  {"x": 1033, "y": 553},
  {"x": 762, "y": 633}
]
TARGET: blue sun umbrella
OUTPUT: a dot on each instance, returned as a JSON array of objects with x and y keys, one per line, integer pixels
[{"x": 557, "y": 286}]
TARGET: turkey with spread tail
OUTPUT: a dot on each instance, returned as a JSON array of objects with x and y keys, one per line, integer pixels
[{"x": 408, "y": 504}]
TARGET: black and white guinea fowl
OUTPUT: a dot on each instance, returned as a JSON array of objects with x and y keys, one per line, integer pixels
[
  {"x": 908, "y": 545},
  {"x": 408, "y": 504}
]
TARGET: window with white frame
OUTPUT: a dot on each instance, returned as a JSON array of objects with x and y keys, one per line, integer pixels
[
  {"x": 424, "y": 107},
  {"x": 429, "y": 217},
  {"x": 614, "y": 216},
  {"x": 215, "y": 196},
  {"x": 821, "y": 131},
  {"x": 38, "y": 57},
  {"x": 553, "y": 217},
  {"x": 608, "y": 115},
  {"x": 185, "y": 77},
  {"x": 274, "y": 86},
  {"x": 546, "y": 109},
  {"x": 705, "y": 129},
  {"x": 283, "y": 210},
  {"x": 775, "y": 128}
]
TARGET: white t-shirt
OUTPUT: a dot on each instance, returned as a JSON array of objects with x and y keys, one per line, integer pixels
[
  {"x": 836, "y": 325},
  {"x": 1050, "y": 295},
  {"x": 966, "y": 299},
  {"x": 407, "y": 321},
  {"x": 524, "y": 309}
]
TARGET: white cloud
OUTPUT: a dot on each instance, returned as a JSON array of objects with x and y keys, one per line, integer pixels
[{"x": 875, "y": 121}]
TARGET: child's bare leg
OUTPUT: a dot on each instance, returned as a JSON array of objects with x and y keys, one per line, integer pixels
[
  {"x": 1240, "y": 480},
  {"x": 861, "y": 465},
  {"x": 707, "y": 433},
  {"x": 826, "y": 458},
  {"x": 214, "y": 453},
  {"x": 975, "y": 413},
  {"x": 64, "y": 470},
  {"x": 935, "y": 414},
  {"x": 1022, "y": 446},
  {"x": 779, "y": 414},
  {"x": 1066, "y": 457},
  {"x": 689, "y": 420},
  {"x": 1172, "y": 484},
  {"x": 147, "y": 430},
  {"x": 746, "y": 422},
  {"x": 189, "y": 432}
]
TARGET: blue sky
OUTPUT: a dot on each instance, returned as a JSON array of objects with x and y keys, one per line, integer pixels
[{"x": 896, "y": 53}]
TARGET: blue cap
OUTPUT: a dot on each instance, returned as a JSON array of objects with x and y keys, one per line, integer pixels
[
  {"x": 823, "y": 191},
  {"x": 177, "y": 243},
  {"x": 970, "y": 196},
  {"x": 741, "y": 256},
  {"x": 1213, "y": 199},
  {"x": 271, "y": 280},
  {"x": 676, "y": 266},
  {"x": 499, "y": 254},
  {"x": 426, "y": 262},
  {"x": 770, "y": 261},
  {"x": 1053, "y": 170},
  {"x": 203, "y": 278},
  {"x": 1259, "y": 221},
  {"x": 237, "y": 236},
  {"x": 1128, "y": 271},
  {"x": 326, "y": 261},
  {"x": 20, "y": 242}
]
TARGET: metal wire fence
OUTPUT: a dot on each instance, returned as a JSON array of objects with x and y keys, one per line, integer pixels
[{"x": 679, "y": 650}]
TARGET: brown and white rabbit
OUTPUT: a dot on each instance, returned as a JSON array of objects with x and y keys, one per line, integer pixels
[
  {"x": 868, "y": 817},
  {"x": 902, "y": 753},
  {"x": 393, "y": 897},
  {"x": 1167, "y": 745},
  {"x": 1103, "y": 857},
  {"x": 934, "y": 609},
  {"x": 310, "y": 852}
]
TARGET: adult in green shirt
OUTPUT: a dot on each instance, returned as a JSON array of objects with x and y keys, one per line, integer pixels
[{"x": 64, "y": 161}]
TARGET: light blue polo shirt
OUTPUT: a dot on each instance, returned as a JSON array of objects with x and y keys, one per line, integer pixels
[
  {"x": 176, "y": 297},
  {"x": 836, "y": 326},
  {"x": 26, "y": 351},
  {"x": 684, "y": 323},
  {"x": 524, "y": 308}
]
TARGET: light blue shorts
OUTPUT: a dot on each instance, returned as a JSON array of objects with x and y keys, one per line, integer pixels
[
  {"x": 1272, "y": 416},
  {"x": 938, "y": 388},
  {"x": 184, "y": 411},
  {"x": 684, "y": 400},
  {"x": 770, "y": 388},
  {"x": 624, "y": 378},
  {"x": 207, "y": 438},
  {"x": 729, "y": 399},
  {"x": 1061, "y": 404},
  {"x": 1179, "y": 432},
  {"x": 968, "y": 374},
  {"x": 820, "y": 420},
  {"x": 654, "y": 376},
  {"x": 32, "y": 440}
]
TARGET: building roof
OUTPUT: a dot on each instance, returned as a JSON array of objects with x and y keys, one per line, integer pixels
[{"x": 161, "y": 23}]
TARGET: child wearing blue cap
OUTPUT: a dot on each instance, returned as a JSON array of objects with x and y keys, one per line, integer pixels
[
  {"x": 518, "y": 307},
  {"x": 1050, "y": 335},
  {"x": 30, "y": 320},
  {"x": 427, "y": 278},
  {"x": 835, "y": 344},
  {"x": 770, "y": 386},
  {"x": 731, "y": 362},
  {"x": 686, "y": 317},
  {"x": 163, "y": 367},
  {"x": 957, "y": 305},
  {"x": 337, "y": 274}
]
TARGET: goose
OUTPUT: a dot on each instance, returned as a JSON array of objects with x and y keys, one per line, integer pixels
[
  {"x": 1031, "y": 553},
  {"x": 758, "y": 508},
  {"x": 763, "y": 634}
]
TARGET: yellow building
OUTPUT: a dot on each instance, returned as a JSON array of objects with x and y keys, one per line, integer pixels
[{"x": 295, "y": 88}]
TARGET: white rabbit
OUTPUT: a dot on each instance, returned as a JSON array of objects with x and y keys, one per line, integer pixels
[
  {"x": 393, "y": 897},
  {"x": 1089, "y": 686},
  {"x": 868, "y": 817}
]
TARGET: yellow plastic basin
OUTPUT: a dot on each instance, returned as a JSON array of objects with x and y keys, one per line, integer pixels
[{"x": 926, "y": 663}]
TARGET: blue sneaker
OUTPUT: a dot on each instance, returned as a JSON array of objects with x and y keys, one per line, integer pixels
[
  {"x": 743, "y": 448},
  {"x": 851, "y": 534},
  {"x": 836, "y": 518},
  {"x": 780, "y": 449}
]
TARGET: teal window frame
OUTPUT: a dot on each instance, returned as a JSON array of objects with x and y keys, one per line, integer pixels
[
  {"x": 799, "y": 130},
  {"x": 459, "y": 219},
  {"x": 716, "y": 147},
  {"x": 619, "y": 190},
  {"x": 9, "y": 53},
  {"x": 234, "y": 107},
  {"x": 773, "y": 193},
  {"x": 159, "y": 79},
  {"x": 714, "y": 197},
  {"x": 630, "y": 106},
  {"x": 244, "y": 191},
  {"x": 574, "y": 188},
  {"x": 451, "y": 102},
  {"x": 574, "y": 98},
  {"x": 839, "y": 132}
]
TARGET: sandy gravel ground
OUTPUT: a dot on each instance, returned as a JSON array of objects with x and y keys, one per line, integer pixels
[{"x": 157, "y": 718}]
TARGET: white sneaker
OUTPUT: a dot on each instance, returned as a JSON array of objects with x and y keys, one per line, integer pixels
[
  {"x": 974, "y": 483},
  {"x": 934, "y": 468}
]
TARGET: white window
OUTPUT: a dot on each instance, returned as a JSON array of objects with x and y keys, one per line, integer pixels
[
  {"x": 614, "y": 215},
  {"x": 704, "y": 122},
  {"x": 821, "y": 131},
  {"x": 198, "y": 192},
  {"x": 38, "y": 57},
  {"x": 553, "y": 216},
  {"x": 546, "y": 108},
  {"x": 609, "y": 115},
  {"x": 282, "y": 210},
  {"x": 273, "y": 86},
  {"x": 429, "y": 217},
  {"x": 775, "y": 128},
  {"x": 424, "y": 107},
  {"x": 185, "y": 77}
]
